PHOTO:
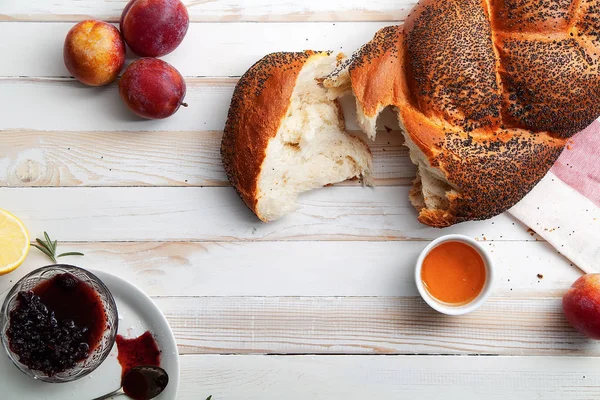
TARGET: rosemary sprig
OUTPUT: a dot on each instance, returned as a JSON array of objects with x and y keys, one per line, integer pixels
[{"x": 48, "y": 247}]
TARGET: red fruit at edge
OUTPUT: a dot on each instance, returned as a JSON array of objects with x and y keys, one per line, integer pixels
[
  {"x": 152, "y": 88},
  {"x": 153, "y": 28},
  {"x": 581, "y": 305},
  {"x": 94, "y": 52}
]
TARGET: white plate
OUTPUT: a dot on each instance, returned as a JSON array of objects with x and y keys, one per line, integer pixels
[{"x": 137, "y": 314}]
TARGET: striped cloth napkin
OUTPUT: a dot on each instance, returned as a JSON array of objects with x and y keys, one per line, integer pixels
[{"x": 564, "y": 208}]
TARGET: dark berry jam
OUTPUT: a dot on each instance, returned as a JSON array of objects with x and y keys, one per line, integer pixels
[
  {"x": 57, "y": 324},
  {"x": 136, "y": 352}
]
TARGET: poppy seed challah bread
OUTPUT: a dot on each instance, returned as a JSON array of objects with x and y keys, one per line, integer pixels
[
  {"x": 487, "y": 93},
  {"x": 283, "y": 135}
]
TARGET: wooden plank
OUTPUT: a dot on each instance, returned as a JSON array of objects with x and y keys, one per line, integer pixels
[
  {"x": 390, "y": 377},
  {"x": 324, "y": 268},
  {"x": 217, "y": 214},
  {"x": 35, "y": 158},
  {"x": 67, "y": 105},
  {"x": 370, "y": 325},
  {"x": 215, "y": 10},
  {"x": 219, "y": 49}
]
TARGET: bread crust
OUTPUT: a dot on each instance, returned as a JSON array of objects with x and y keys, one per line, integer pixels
[
  {"x": 526, "y": 16},
  {"x": 259, "y": 104},
  {"x": 451, "y": 64},
  {"x": 467, "y": 125}
]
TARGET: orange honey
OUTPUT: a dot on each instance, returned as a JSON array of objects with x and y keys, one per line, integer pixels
[{"x": 453, "y": 272}]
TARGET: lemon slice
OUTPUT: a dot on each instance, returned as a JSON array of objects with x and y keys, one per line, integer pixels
[{"x": 14, "y": 242}]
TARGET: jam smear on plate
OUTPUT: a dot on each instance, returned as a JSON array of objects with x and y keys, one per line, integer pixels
[
  {"x": 57, "y": 324},
  {"x": 137, "y": 352}
]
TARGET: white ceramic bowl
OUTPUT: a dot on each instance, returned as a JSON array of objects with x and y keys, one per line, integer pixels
[{"x": 446, "y": 308}]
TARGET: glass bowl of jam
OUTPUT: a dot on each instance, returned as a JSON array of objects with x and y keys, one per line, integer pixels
[{"x": 58, "y": 323}]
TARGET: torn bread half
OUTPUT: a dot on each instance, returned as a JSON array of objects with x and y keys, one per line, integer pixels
[{"x": 285, "y": 136}]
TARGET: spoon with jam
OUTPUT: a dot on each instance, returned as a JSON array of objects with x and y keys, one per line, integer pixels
[{"x": 141, "y": 383}]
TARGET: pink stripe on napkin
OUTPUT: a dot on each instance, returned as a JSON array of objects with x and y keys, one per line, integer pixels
[{"x": 579, "y": 164}]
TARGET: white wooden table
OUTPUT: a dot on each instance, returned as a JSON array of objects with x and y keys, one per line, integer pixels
[{"x": 320, "y": 305}]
